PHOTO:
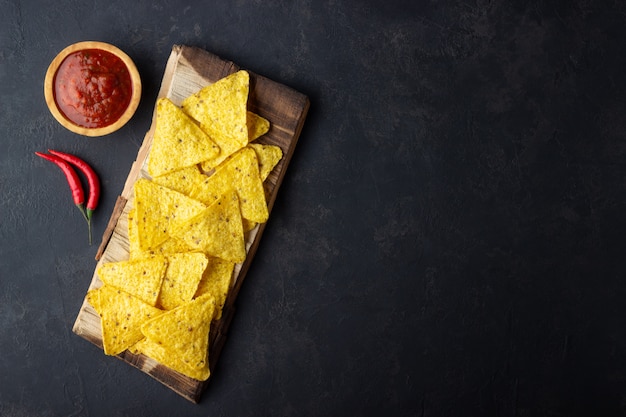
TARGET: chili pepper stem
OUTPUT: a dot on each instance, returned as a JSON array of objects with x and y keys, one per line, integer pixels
[
  {"x": 81, "y": 207},
  {"x": 89, "y": 230},
  {"x": 88, "y": 214}
]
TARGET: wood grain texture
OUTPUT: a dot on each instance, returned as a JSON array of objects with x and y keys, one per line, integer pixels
[{"x": 188, "y": 69}]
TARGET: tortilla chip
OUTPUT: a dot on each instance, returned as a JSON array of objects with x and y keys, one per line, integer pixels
[
  {"x": 257, "y": 126},
  {"x": 121, "y": 317},
  {"x": 184, "y": 331},
  {"x": 158, "y": 209},
  {"x": 216, "y": 281},
  {"x": 182, "y": 180},
  {"x": 141, "y": 278},
  {"x": 184, "y": 272},
  {"x": 166, "y": 357},
  {"x": 216, "y": 231},
  {"x": 168, "y": 247},
  {"x": 268, "y": 157},
  {"x": 248, "y": 225},
  {"x": 172, "y": 246},
  {"x": 134, "y": 250},
  {"x": 177, "y": 142},
  {"x": 240, "y": 172},
  {"x": 221, "y": 111},
  {"x": 93, "y": 298}
]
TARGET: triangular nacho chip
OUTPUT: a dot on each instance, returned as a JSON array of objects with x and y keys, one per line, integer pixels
[
  {"x": 217, "y": 280},
  {"x": 248, "y": 225},
  {"x": 134, "y": 250},
  {"x": 184, "y": 272},
  {"x": 216, "y": 231},
  {"x": 141, "y": 278},
  {"x": 257, "y": 126},
  {"x": 93, "y": 298},
  {"x": 268, "y": 156},
  {"x": 240, "y": 172},
  {"x": 178, "y": 142},
  {"x": 157, "y": 209},
  {"x": 170, "y": 245},
  {"x": 121, "y": 317},
  {"x": 184, "y": 331},
  {"x": 168, "y": 358},
  {"x": 182, "y": 180},
  {"x": 221, "y": 110}
]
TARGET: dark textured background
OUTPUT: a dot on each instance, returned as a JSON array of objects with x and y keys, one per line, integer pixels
[{"x": 448, "y": 240}]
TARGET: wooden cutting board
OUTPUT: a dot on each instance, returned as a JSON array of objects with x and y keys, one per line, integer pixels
[{"x": 189, "y": 69}]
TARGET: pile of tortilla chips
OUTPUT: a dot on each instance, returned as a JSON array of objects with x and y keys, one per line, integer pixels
[{"x": 187, "y": 227}]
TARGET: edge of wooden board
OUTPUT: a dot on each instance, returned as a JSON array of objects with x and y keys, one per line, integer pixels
[{"x": 198, "y": 68}]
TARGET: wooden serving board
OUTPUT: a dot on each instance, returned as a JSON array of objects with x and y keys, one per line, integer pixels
[{"x": 189, "y": 69}]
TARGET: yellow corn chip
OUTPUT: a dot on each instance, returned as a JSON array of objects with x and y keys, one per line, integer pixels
[
  {"x": 93, "y": 298},
  {"x": 248, "y": 225},
  {"x": 221, "y": 111},
  {"x": 178, "y": 142},
  {"x": 141, "y": 278},
  {"x": 216, "y": 231},
  {"x": 168, "y": 247},
  {"x": 171, "y": 246},
  {"x": 169, "y": 359},
  {"x": 216, "y": 281},
  {"x": 182, "y": 180},
  {"x": 268, "y": 157},
  {"x": 133, "y": 349},
  {"x": 134, "y": 250},
  {"x": 121, "y": 317},
  {"x": 240, "y": 172},
  {"x": 257, "y": 126},
  {"x": 158, "y": 209},
  {"x": 184, "y": 272},
  {"x": 184, "y": 331}
]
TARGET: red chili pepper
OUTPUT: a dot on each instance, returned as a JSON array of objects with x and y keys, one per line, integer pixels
[
  {"x": 72, "y": 180},
  {"x": 92, "y": 179}
]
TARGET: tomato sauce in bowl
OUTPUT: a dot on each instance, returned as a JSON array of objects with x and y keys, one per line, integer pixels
[{"x": 92, "y": 88}]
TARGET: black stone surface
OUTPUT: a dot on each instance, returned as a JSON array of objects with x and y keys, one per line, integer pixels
[{"x": 448, "y": 240}]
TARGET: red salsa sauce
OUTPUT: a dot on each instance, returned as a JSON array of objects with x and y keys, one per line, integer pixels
[{"x": 92, "y": 88}]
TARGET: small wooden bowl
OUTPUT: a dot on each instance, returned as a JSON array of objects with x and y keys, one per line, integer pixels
[{"x": 49, "y": 89}]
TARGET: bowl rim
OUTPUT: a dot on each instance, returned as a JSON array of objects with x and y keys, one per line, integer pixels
[{"x": 49, "y": 88}]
